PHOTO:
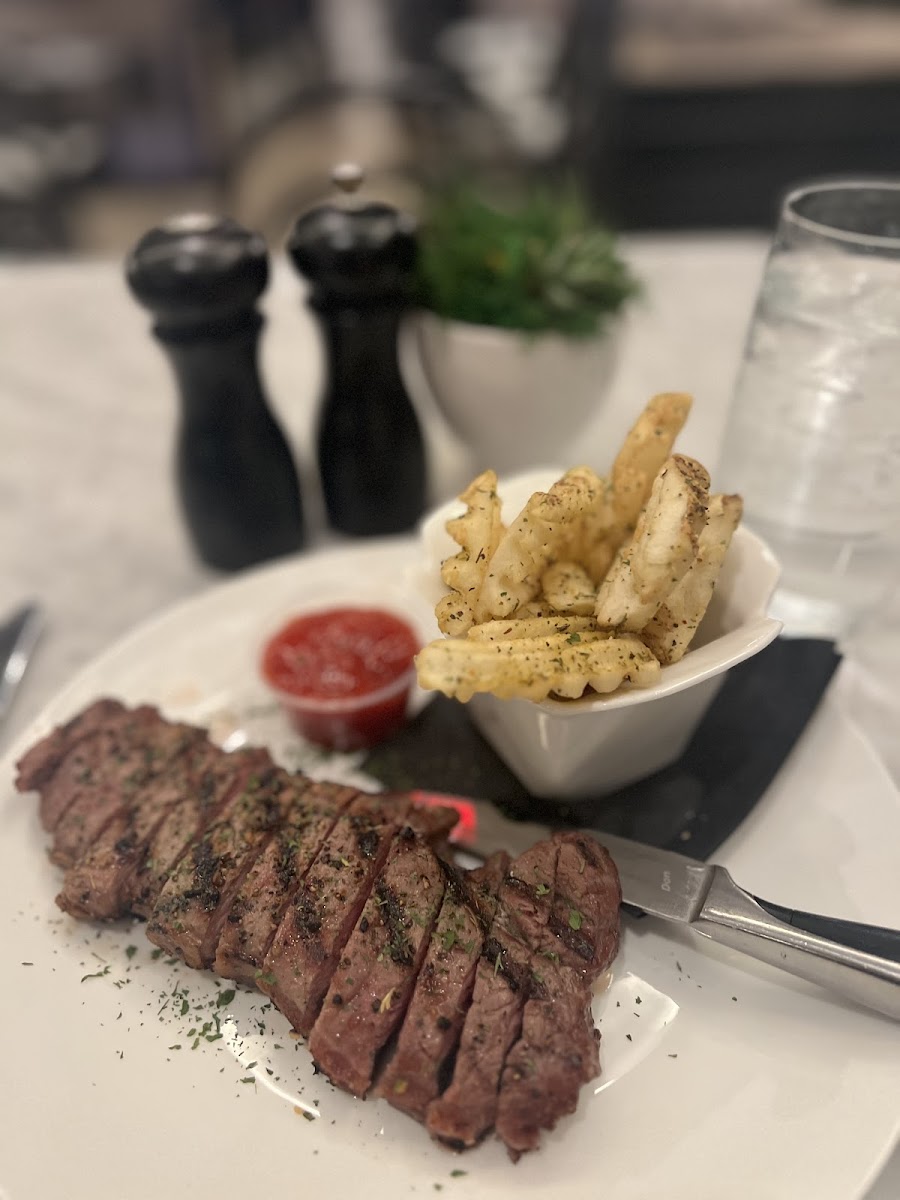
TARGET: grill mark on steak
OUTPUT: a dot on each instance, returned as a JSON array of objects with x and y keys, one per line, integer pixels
[
  {"x": 557, "y": 1052},
  {"x": 588, "y": 893},
  {"x": 195, "y": 899},
  {"x": 465, "y": 1113},
  {"x": 325, "y": 908},
  {"x": 186, "y": 822},
  {"x": 121, "y": 781},
  {"x": 36, "y": 766},
  {"x": 433, "y": 1023},
  {"x": 373, "y": 981},
  {"x": 270, "y": 884}
]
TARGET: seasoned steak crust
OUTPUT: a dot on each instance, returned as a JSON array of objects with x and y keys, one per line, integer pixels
[
  {"x": 270, "y": 884},
  {"x": 91, "y": 761},
  {"x": 127, "y": 775},
  {"x": 197, "y": 895},
  {"x": 35, "y": 768},
  {"x": 465, "y": 1113},
  {"x": 462, "y": 998},
  {"x": 98, "y": 883},
  {"x": 324, "y": 909},
  {"x": 430, "y": 1032},
  {"x": 186, "y": 822},
  {"x": 558, "y": 1048},
  {"x": 372, "y": 983}
]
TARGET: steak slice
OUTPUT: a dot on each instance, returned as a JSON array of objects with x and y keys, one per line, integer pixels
[
  {"x": 195, "y": 900},
  {"x": 84, "y": 765},
  {"x": 466, "y": 1111},
  {"x": 558, "y": 1050},
  {"x": 184, "y": 823},
  {"x": 434, "y": 1019},
  {"x": 39, "y": 762},
  {"x": 372, "y": 984},
  {"x": 269, "y": 885},
  {"x": 325, "y": 908}
]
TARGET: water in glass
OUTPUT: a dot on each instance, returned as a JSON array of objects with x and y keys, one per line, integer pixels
[{"x": 813, "y": 441}]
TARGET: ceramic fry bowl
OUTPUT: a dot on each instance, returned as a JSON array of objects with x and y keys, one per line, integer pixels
[{"x": 581, "y": 749}]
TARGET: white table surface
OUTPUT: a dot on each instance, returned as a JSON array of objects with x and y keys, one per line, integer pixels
[{"x": 89, "y": 523}]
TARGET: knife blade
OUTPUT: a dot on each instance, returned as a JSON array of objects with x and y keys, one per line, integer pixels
[
  {"x": 18, "y": 637},
  {"x": 861, "y": 962}
]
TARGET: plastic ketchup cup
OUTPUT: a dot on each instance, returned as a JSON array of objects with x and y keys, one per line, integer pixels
[{"x": 343, "y": 675}]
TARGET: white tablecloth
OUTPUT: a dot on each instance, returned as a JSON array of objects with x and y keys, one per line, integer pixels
[{"x": 89, "y": 523}]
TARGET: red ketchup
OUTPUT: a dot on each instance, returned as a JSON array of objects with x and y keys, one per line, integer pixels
[{"x": 343, "y": 674}]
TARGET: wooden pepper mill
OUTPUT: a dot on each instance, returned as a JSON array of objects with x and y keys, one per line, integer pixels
[
  {"x": 201, "y": 278},
  {"x": 359, "y": 259}
]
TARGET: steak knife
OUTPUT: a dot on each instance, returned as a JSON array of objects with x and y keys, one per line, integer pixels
[{"x": 860, "y": 962}]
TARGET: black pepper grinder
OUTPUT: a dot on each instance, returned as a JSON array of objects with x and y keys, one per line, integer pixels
[
  {"x": 359, "y": 259},
  {"x": 201, "y": 276}
]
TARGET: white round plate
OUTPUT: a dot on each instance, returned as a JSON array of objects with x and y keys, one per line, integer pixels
[{"x": 720, "y": 1078}]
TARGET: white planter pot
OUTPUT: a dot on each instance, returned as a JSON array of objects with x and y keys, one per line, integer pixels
[{"x": 516, "y": 400}]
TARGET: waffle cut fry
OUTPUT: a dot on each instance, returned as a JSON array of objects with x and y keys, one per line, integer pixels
[
  {"x": 541, "y": 533},
  {"x": 534, "y": 668},
  {"x": 477, "y": 532}
]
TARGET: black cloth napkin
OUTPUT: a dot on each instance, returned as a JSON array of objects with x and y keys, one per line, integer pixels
[{"x": 691, "y": 806}]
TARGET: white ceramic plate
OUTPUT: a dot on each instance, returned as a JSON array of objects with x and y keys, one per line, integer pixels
[{"x": 726, "y": 1079}]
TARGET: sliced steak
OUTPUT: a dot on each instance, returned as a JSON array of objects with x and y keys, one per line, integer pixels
[
  {"x": 271, "y": 882},
  {"x": 466, "y": 1111},
  {"x": 325, "y": 908},
  {"x": 195, "y": 900},
  {"x": 372, "y": 984},
  {"x": 184, "y": 823},
  {"x": 88, "y": 762},
  {"x": 37, "y": 765},
  {"x": 314, "y": 891},
  {"x": 558, "y": 1050},
  {"x": 434, "y": 1019},
  {"x": 120, "y": 782}
]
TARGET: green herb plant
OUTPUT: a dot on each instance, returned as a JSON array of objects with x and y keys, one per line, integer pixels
[{"x": 541, "y": 266}]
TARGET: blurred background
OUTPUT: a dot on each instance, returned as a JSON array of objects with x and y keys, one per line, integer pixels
[{"x": 673, "y": 114}]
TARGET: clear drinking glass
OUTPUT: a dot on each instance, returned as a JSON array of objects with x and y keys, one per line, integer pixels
[{"x": 813, "y": 436}]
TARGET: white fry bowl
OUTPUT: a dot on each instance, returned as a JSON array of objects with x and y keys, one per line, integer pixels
[{"x": 581, "y": 749}]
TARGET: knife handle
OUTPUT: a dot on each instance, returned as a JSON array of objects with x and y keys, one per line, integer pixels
[
  {"x": 871, "y": 939},
  {"x": 731, "y": 916}
]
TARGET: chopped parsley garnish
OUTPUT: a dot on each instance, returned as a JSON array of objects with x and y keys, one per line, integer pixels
[{"x": 97, "y": 974}]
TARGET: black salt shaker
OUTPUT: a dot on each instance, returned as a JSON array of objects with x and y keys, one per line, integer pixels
[
  {"x": 359, "y": 259},
  {"x": 201, "y": 277}
]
